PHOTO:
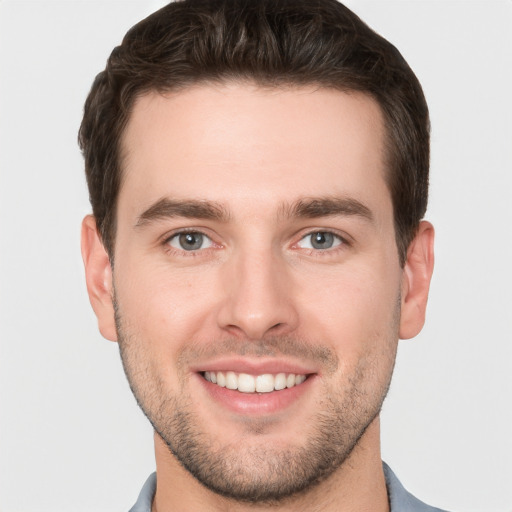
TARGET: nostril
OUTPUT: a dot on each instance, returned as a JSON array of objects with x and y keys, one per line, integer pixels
[{"x": 253, "y": 318}]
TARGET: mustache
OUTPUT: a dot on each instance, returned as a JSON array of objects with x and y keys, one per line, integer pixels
[{"x": 272, "y": 347}]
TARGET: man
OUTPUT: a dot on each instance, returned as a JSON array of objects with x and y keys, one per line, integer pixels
[{"x": 258, "y": 174}]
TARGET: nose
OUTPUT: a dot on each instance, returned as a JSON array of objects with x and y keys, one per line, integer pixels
[{"x": 258, "y": 296}]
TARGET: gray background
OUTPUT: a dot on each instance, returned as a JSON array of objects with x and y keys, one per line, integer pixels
[{"x": 71, "y": 436}]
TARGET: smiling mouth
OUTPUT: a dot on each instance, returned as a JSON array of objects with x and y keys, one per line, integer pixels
[{"x": 246, "y": 383}]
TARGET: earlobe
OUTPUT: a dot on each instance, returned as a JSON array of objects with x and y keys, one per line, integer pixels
[
  {"x": 416, "y": 281},
  {"x": 98, "y": 276}
]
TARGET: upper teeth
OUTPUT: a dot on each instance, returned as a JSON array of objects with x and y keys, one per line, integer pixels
[{"x": 254, "y": 383}]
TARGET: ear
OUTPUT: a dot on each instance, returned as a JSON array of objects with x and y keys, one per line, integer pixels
[
  {"x": 416, "y": 281},
  {"x": 98, "y": 276}
]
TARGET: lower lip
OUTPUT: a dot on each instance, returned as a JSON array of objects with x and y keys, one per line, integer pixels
[{"x": 256, "y": 403}]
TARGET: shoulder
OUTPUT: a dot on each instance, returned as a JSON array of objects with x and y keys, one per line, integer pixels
[
  {"x": 400, "y": 500},
  {"x": 146, "y": 495}
]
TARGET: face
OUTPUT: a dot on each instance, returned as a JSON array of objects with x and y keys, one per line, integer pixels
[{"x": 256, "y": 279}]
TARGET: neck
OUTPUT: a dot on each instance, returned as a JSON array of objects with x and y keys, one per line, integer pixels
[{"x": 358, "y": 485}]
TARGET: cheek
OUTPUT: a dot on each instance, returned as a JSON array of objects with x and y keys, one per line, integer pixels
[
  {"x": 357, "y": 315},
  {"x": 354, "y": 308},
  {"x": 161, "y": 312},
  {"x": 164, "y": 306}
]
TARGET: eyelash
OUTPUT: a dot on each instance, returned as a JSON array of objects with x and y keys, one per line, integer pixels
[
  {"x": 343, "y": 245},
  {"x": 182, "y": 252}
]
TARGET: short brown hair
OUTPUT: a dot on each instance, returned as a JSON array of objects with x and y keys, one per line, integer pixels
[{"x": 271, "y": 43}]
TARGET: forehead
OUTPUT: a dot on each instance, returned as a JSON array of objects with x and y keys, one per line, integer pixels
[{"x": 266, "y": 144}]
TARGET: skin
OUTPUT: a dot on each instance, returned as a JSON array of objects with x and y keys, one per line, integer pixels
[{"x": 257, "y": 293}]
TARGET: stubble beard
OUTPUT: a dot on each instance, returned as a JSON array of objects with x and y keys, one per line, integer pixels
[{"x": 258, "y": 473}]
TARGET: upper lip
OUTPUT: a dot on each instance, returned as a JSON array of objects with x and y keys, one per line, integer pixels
[{"x": 258, "y": 366}]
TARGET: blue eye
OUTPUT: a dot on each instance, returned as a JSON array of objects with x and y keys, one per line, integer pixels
[
  {"x": 190, "y": 241},
  {"x": 320, "y": 240}
]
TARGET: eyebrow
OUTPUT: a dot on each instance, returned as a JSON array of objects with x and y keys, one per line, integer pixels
[
  {"x": 305, "y": 208},
  {"x": 194, "y": 209},
  {"x": 314, "y": 207}
]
